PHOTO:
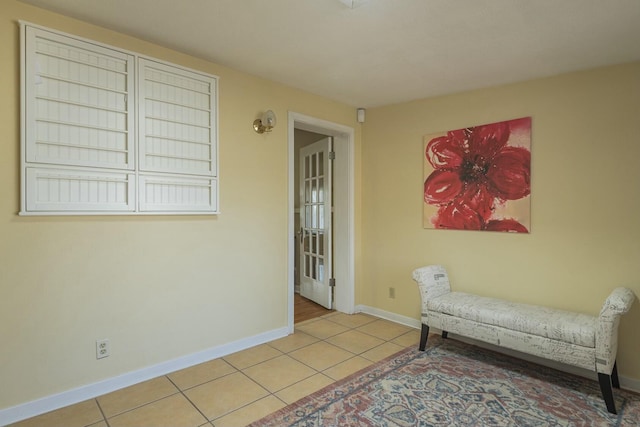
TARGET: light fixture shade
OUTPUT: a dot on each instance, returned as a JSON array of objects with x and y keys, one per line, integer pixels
[
  {"x": 269, "y": 119},
  {"x": 265, "y": 123}
]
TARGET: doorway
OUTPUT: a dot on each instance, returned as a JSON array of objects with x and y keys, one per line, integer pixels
[{"x": 343, "y": 208}]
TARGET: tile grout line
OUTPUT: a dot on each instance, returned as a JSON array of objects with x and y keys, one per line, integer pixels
[
  {"x": 142, "y": 405},
  {"x": 269, "y": 393},
  {"x": 205, "y": 382},
  {"x": 255, "y": 364},
  {"x": 384, "y": 341},
  {"x": 189, "y": 400},
  {"x": 104, "y": 417}
]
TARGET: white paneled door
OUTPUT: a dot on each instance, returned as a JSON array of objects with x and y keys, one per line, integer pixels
[{"x": 315, "y": 223}]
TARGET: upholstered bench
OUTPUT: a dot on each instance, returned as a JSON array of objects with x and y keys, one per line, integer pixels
[{"x": 576, "y": 339}]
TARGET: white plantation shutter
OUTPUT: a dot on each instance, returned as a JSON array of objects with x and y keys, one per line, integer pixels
[
  {"x": 57, "y": 189},
  {"x": 84, "y": 125},
  {"x": 177, "y": 137},
  {"x": 78, "y": 97},
  {"x": 176, "y": 123},
  {"x": 174, "y": 193}
]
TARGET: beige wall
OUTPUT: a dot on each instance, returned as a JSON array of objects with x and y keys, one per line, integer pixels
[
  {"x": 164, "y": 287},
  {"x": 157, "y": 287},
  {"x": 585, "y": 199}
]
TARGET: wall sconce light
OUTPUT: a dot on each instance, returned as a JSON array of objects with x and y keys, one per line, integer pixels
[{"x": 265, "y": 123}]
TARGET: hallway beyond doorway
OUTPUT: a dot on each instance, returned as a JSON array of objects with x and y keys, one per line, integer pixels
[{"x": 305, "y": 309}]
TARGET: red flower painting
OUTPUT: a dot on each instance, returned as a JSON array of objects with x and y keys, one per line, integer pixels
[{"x": 478, "y": 178}]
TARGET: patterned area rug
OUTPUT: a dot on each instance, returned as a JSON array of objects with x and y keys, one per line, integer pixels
[{"x": 457, "y": 384}]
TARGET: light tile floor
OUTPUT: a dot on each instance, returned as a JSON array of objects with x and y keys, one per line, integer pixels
[{"x": 242, "y": 387}]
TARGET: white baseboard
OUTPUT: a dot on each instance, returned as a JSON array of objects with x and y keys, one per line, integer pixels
[
  {"x": 70, "y": 397},
  {"x": 630, "y": 384},
  {"x": 387, "y": 315},
  {"x": 626, "y": 383}
]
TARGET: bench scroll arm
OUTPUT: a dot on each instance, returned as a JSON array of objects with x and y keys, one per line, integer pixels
[
  {"x": 432, "y": 281},
  {"x": 618, "y": 303}
]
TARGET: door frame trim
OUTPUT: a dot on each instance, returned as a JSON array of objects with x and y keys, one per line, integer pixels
[{"x": 344, "y": 224}]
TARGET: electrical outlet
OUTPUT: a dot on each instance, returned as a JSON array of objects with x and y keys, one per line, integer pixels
[
  {"x": 103, "y": 349},
  {"x": 392, "y": 292}
]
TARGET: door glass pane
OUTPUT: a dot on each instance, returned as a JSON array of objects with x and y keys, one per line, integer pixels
[
  {"x": 307, "y": 216},
  {"x": 307, "y": 167},
  {"x": 313, "y": 165},
  {"x": 307, "y": 191},
  {"x": 321, "y": 217},
  {"x": 314, "y": 190},
  {"x": 314, "y": 216},
  {"x": 320, "y": 269},
  {"x": 321, "y": 190},
  {"x": 321, "y": 163},
  {"x": 305, "y": 243},
  {"x": 307, "y": 265},
  {"x": 314, "y": 240},
  {"x": 321, "y": 243},
  {"x": 313, "y": 268}
]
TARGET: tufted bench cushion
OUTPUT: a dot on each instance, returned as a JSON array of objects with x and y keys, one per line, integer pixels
[{"x": 545, "y": 322}]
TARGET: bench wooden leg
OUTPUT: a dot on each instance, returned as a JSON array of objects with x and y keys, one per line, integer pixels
[
  {"x": 445, "y": 334},
  {"x": 614, "y": 376},
  {"x": 424, "y": 334},
  {"x": 607, "y": 392}
]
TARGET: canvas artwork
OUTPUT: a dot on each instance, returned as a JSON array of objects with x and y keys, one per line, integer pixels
[{"x": 478, "y": 178}]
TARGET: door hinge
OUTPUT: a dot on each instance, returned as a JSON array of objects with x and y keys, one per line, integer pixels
[
  {"x": 332, "y": 283},
  {"x": 332, "y": 155}
]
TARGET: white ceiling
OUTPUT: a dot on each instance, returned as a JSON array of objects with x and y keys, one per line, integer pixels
[{"x": 381, "y": 51}]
